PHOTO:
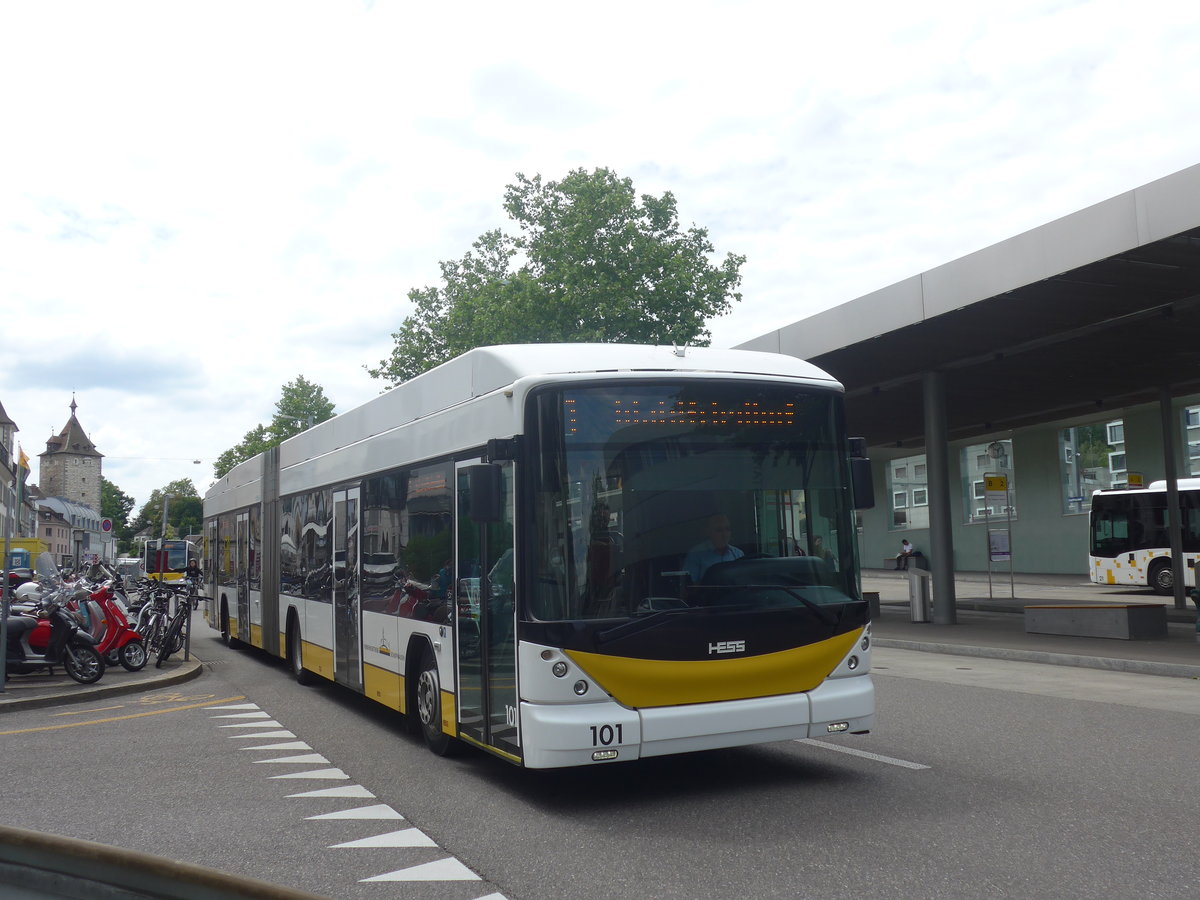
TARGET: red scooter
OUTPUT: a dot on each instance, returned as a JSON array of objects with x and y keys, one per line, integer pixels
[{"x": 116, "y": 639}]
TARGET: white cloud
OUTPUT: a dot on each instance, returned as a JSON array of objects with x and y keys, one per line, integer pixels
[{"x": 201, "y": 201}]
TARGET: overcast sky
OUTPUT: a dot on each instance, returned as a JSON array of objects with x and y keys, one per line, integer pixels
[{"x": 200, "y": 201}]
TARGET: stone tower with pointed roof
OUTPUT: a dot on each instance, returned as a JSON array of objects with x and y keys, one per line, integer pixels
[{"x": 70, "y": 467}]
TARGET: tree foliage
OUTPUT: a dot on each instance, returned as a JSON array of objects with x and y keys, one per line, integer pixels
[
  {"x": 592, "y": 262},
  {"x": 115, "y": 504},
  {"x": 184, "y": 510},
  {"x": 301, "y": 404}
]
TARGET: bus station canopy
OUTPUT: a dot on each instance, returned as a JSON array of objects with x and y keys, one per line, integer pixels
[{"x": 1097, "y": 311}]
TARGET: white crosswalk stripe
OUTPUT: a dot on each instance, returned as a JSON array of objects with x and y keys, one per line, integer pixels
[
  {"x": 405, "y": 837},
  {"x": 446, "y": 869},
  {"x": 449, "y": 869},
  {"x": 307, "y": 758},
  {"x": 378, "y": 811},
  {"x": 353, "y": 790},
  {"x": 288, "y": 745}
]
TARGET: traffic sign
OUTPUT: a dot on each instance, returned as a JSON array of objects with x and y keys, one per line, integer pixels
[{"x": 106, "y": 525}]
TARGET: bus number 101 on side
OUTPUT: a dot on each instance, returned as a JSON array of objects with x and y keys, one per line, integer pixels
[{"x": 604, "y": 735}]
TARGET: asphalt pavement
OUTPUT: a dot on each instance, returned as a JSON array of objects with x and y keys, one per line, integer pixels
[{"x": 990, "y": 623}]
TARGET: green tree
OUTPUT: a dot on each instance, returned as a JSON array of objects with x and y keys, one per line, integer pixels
[
  {"x": 115, "y": 504},
  {"x": 596, "y": 263},
  {"x": 301, "y": 404},
  {"x": 1092, "y": 447},
  {"x": 183, "y": 510}
]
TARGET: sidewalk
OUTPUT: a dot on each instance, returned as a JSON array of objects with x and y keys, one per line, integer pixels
[
  {"x": 40, "y": 689},
  {"x": 991, "y": 624}
]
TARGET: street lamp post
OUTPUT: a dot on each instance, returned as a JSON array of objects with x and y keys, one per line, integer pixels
[{"x": 162, "y": 535}]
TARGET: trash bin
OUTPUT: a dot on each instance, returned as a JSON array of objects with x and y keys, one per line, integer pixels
[{"x": 919, "y": 603}]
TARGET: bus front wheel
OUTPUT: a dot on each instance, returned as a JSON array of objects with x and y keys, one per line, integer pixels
[
  {"x": 429, "y": 706},
  {"x": 1162, "y": 579}
]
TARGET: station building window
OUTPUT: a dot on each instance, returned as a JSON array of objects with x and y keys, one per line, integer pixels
[
  {"x": 1191, "y": 435},
  {"x": 978, "y": 461},
  {"x": 908, "y": 484},
  {"x": 1088, "y": 462}
]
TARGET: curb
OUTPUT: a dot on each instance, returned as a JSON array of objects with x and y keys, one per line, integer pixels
[
  {"x": 1136, "y": 666},
  {"x": 79, "y": 693}
]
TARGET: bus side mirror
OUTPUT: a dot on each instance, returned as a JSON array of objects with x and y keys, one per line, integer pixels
[
  {"x": 862, "y": 485},
  {"x": 486, "y": 483}
]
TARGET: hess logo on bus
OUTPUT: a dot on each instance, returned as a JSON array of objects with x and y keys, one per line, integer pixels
[{"x": 721, "y": 647}]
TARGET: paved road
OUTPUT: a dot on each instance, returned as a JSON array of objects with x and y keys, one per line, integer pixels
[{"x": 984, "y": 778}]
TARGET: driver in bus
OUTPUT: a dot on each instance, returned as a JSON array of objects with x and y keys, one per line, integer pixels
[{"x": 716, "y": 548}]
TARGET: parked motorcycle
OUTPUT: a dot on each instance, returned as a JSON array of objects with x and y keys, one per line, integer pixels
[
  {"x": 56, "y": 632},
  {"x": 116, "y": 638}
]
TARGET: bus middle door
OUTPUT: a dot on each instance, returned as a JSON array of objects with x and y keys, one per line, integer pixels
[
  {"x": 242, "y": 567},
  {"x": 487, "y": 664},
  {"x": 347, "y": 635}
]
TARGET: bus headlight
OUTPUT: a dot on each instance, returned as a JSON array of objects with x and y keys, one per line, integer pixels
[
  {"x": 852, "y": 663},
  {"x": 559, "y": 669},
  {"x": 581, "y": 687}
]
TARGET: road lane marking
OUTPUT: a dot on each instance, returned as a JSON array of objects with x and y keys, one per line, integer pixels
[
  {"x": 441, "y": 870},
  {"x": 89, "y": 712},
  {"x": 890, "y": 760},
  {"x": 450, "y": 869},
  {"x": 356, "y": 790},
  {"x": 153, "y": 712},
  {"x": 374, "y": 811},
  {"x": 406, "y": 837}
]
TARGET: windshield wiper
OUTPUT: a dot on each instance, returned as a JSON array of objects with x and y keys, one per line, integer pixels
[
  {"x": 816, "y": 608},
  {"x": 640, "y": 624}
]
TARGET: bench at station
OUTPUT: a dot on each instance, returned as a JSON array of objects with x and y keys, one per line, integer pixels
[
  {"x": 920, "y": 561},
  {"x": 1129, "y": 622}
]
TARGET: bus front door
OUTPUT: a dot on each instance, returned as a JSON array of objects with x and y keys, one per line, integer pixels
[
  {"x": 347, "y": 636},
  {"x": 487, "y": 666}
]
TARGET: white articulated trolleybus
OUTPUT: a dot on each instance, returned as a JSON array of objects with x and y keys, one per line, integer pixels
[{"x": 566, "y": 554}]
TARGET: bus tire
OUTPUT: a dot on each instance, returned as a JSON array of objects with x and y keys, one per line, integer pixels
[
  {"x": 1162, "y": 578},
  {"x": 227, "y": 637},
  {"x": 429, "y": 706},
  {"x": 295, "y": 654}
]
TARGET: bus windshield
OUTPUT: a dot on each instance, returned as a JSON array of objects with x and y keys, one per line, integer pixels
[
  {"x": 668, "y": 498},
  {"x": 168, "y": 557}
]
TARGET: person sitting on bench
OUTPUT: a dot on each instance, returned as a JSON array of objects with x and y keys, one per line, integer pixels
[{"x": 902, "y": 558}]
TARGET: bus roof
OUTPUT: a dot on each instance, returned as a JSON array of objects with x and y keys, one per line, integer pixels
[
  {"x": 1183, "y": 484},
  {"x": 485, "y": 370}
]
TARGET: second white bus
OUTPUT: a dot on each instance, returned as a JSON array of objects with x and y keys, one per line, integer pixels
[{"x": 1130, "y": 543}]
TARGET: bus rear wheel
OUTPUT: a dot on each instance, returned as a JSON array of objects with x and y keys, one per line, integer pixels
[
  {"x": 295, "y": 652},
  {"x": 1162, "y": 578},
  {"x": 429, "y": 706}
]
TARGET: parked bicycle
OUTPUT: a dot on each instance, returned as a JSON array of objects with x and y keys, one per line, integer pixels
[{"x": 174, "y": 635}]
